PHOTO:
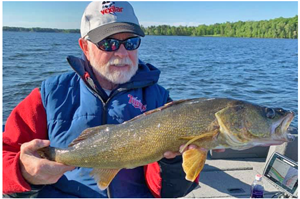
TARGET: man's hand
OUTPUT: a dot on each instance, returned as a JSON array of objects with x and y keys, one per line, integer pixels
[
  {"x": 173, "y": 154},
  {"x": 38, "y": 171}
]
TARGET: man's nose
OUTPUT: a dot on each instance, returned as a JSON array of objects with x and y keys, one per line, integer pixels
[{"x": 121, "y": 52}]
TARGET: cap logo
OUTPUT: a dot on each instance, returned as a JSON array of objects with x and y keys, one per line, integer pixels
[{"x": 109, "y": 8}]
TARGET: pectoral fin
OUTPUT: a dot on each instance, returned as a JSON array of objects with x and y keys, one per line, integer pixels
[
  {"x": 206, "y": 135},
  {"x": 193, "y": 163},
  {"x": 104, "y": 177}
]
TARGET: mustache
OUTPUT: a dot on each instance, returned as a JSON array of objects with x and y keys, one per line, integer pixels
[{"x": 119, "y": 61}]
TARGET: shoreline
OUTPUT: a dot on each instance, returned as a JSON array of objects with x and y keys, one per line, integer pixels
[
  {"x": 217, "y": 36},
  {"x": 281, "y": 28}
]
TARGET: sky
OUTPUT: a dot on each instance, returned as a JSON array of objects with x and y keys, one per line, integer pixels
[{"x": 67, "y": 14}]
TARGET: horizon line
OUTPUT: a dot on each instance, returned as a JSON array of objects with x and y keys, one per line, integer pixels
[{"x": 175, "y": 24}]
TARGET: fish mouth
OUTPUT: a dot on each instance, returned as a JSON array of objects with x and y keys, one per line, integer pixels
[{"x": 284, "y": 124}]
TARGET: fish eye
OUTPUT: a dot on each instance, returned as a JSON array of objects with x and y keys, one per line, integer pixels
[
  {"x": 270, "y": 113},
  {"x": 280, "y": 111}
]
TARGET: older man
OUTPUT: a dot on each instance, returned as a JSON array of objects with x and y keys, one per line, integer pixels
[{"x": 100, "y": 91}]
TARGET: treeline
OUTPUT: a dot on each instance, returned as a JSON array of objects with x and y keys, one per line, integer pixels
[
  {"x": 19, "y": 29},
  {"x": 275, "y": 28}
]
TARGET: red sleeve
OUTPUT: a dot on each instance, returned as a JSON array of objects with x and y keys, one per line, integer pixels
[
  {"x": 153, "y": 178},
  {"x": 26, "y": 122}
]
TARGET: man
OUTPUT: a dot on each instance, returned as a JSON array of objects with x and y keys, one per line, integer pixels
[{"x": 100, "y": 91}]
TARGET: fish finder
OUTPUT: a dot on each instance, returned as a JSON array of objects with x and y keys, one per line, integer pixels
[{"x": 283, "y": 174}]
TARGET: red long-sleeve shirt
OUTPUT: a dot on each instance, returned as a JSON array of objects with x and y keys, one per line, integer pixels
[{"x": 25, "y": 123}]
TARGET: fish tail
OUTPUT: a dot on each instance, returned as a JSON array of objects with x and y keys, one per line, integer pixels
[{"x": 47, "y": 153}]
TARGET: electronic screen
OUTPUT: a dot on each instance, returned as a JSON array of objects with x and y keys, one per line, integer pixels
[{"x": 283, "y": 173}]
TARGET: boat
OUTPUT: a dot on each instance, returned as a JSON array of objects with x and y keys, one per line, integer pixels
[{"x": 230, "y": 174}]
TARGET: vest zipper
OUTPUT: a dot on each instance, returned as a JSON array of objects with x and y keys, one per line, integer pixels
[
  {"x": 89, "y": 84},
  {"x": 104, "y": 118}
]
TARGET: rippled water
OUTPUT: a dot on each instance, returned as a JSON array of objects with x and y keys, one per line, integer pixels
[{"x": 262, "y": 71}]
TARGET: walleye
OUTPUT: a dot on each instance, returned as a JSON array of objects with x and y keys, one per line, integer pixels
[{"x": 208, "y": 123}]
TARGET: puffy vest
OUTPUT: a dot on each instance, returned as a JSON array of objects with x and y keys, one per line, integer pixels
[{"x": 74, "y": 102}]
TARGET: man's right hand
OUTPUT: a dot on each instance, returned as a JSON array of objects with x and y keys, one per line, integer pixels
[{"x": 36, "y": 170}]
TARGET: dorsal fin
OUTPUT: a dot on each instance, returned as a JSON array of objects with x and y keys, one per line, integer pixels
[
  {"x": 167, "y": 105},
  {"x": 90, "y": 132}
]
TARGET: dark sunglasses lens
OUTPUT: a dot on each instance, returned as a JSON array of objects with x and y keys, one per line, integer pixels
[
  {"x": 132, "y": 43},
  {"x": 109, "y": 44},
  {"x": 114, "y": 44}
]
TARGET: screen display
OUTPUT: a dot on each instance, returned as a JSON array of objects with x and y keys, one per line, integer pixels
[{"x": 283, "y": 172}]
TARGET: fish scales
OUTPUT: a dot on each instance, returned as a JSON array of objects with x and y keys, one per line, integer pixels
[
  {"x": 132, "y": 143},
  {"x": 207, "y": 123}
]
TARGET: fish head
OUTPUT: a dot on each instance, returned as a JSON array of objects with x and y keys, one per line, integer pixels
[{"x": 247, "y": 124}]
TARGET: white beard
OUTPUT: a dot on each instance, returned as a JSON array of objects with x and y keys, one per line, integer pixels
[{"x": 116, "y": 77}]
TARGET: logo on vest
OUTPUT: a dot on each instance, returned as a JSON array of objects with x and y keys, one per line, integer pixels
[
  {"x": 116, "y": 112},
  {"x": 136, "y": 103},
  {"x": 109, "y": 8}
]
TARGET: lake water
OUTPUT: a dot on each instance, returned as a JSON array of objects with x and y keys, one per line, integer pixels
[{"x": 262, "y": 71}]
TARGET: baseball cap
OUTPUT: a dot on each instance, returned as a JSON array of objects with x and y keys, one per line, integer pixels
[{"x": 102, "y": 19}]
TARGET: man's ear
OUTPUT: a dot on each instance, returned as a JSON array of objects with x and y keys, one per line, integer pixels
[{"x": 84, "y": 46}]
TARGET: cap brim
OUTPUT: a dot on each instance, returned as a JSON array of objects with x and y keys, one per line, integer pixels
[{"x": 107, "y": 30}]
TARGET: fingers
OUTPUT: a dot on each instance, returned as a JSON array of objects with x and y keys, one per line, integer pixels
[
  {"x": 34, "y": 145},
  {"x": 171, "y": 154},
  {"x": 57, "y": 167},
  {"x": 192, "y": 146},
  {"x": 219, "y": 150},
  {"x": 36, "y": 170}
]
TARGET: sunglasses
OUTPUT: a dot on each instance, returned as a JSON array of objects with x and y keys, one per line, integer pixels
[{"x": 110, "y": 44}]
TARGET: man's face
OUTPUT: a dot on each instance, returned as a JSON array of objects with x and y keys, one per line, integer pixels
[{"x": 117, "y": 66}]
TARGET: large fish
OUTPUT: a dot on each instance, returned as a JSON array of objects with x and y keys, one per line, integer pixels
[{"x": 208, "y": 123}]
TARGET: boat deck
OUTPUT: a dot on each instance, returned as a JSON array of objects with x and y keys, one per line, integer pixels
[
  {"x": 230, "y": 178},
  {"x": 230, "y": 174}
]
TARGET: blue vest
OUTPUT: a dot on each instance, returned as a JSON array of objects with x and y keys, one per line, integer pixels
[{"x": 74, "y": 102}]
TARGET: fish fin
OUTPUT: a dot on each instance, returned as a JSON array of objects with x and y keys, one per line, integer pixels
[
  {"x": 104, "y": 177},
  {"x": 193, "y": 163},
  {"x": 88, "y": 133},
  {"x": 206, "y": 135},
  {"x": 167, "y": 105}
]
